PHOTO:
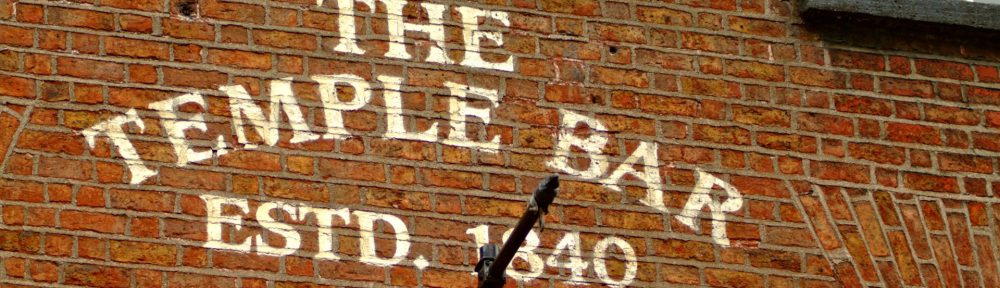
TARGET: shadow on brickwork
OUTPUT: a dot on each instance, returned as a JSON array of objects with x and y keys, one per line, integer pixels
[
  {"x": 878, "y": 238},
  {"x": 858, "y": 30}
]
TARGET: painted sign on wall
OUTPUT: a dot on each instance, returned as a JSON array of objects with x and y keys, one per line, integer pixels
[{"x": 265, "y": 122}]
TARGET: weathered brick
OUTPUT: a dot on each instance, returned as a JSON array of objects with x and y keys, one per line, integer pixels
[
  {"x": 240, "y": 59},
  {"x": 857, "y": 60},
  {"x": 944, "y": 69},
  {"x": 840, "y": 172},
  {"x": 80, "y": 18},
  {"x": 145, "y": 253},
  {"x": 96, "y": 276},
  {"x": 710, "y": 43},
  {"x": 928, "y": 182},
  {"x": 90, "y": 69},
  {"x": 757, "y": 27},
  {"x": 913, "y": 133},
  {"x": 577, "y": 7},
  {"x": 16, "y": 36},
  {"x": 193, "y": 78},
  {"x": 136, "y": 48},
  {"x": 280, "y": 39},
  {"x": 97, "y": 222}
]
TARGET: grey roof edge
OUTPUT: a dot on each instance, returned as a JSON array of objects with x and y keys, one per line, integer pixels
[{"x": 957, "y": 12}]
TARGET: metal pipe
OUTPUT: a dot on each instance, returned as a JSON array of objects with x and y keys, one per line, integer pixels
[{"x": 538, "y": 205}]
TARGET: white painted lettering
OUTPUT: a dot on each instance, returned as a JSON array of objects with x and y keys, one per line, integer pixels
[
  {"x": 292, "y": 238},
  {"x": 526, "y": 253},
  {"x": 333, "y": 107},
  {"x": 434, "y": 30},
  {"x": 592, "y": 144},
  {"x": 366, "y": 222},
  {"x": 175, "y": 126},
  {"x": 473, "y": 38},
  {"x": 282, "y": 99},
  {"x": 113, "y": 128},
  {"x": 345, "y": 24},
  {"x": 395, "y": 127},
  {"x": 645, "y": 155},
  {"x": 213, "y": 207},
  {"x": 324, "y": 218},
  {"x": 571, "y": 244},
  {"x": 460, "y": 109},
  {"x": 702, "y": 197},
  {"x": 600, "y": 267}
]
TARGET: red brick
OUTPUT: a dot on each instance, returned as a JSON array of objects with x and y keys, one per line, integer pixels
[
  {"x": 143, "y": 253},
  {"x": 857, "y": 60},
  {"x": 947, "y": 267},
  {"x": 51, "y": 142},
  {"x": 231, "y": 11},
  {"x": 632, "y": 220},
  {"x": 944, "y": 69},
  {"x": 576, "y": 7},
  {"x": 863, "y": 105},
  {"x": 188, "y": 30},
  {"x": 252, "y": 160},
  {"x": 960, "y": 238},
  {"x": 91, "y": 69},
  {"x": 877, "y": 153},
  {"x": 142, "y": 200},
  {"x": 332, "y": 168},
  {"x": 871, "y": 229},
  {"x": 97, "y": 222},
  {"x": 825, "y": 123},
  {"x": 135, "y": 48},
  {"x": 663, "y": 16},
  {"x": 755, "y": 70},
  {"x": 951, "y": 115},
  {"x": 193, "y": 179},
  {"x": 44, "y": 271},
  {"x": 817, "y": 77},
  {"x": 729, "y": 278},
  {"x": 347, "y": 271},
  {"x": 965, "y": 163},
  {"x": 80, "y": 18},
  {"x": 96, "y": 276},
  {"x": 789, "y": 261},
  {"x": 988, "y": 74},
  {"x": 724, "y": 135},
  {"x": 16, "y": 36},
  {"x": 143, "y": 5},
  {"x": 244, "y": 261},
  {"x": 680, "y": 249},
  {"x": 280, "y": 39},
  {"x": 29, "y": 13},
  {"x": 928, "y": 182},
  {"x": 64, "y": 168},
  {"x": 987, "y": 261},
  {"x": 841, "y": 172},
  {"x": 612, "y": 76},
  {"x": 179, "y": 280},
  {"x": 710, "y": 43},
  {"x": 240, "y": 59},
  {"x": 760, "y": 116},
  {"x": 20, "y": 241},
  {"x": 296, "y": 189},
  {"x": 760, "y": 186},
  {"x": 757, "y": 27},
  {"x": 193, "y": 78},
  {"x": 913, "y": 133}
]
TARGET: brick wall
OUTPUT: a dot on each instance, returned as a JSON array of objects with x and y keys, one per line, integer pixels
[{"x": 725, "y": 143}]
